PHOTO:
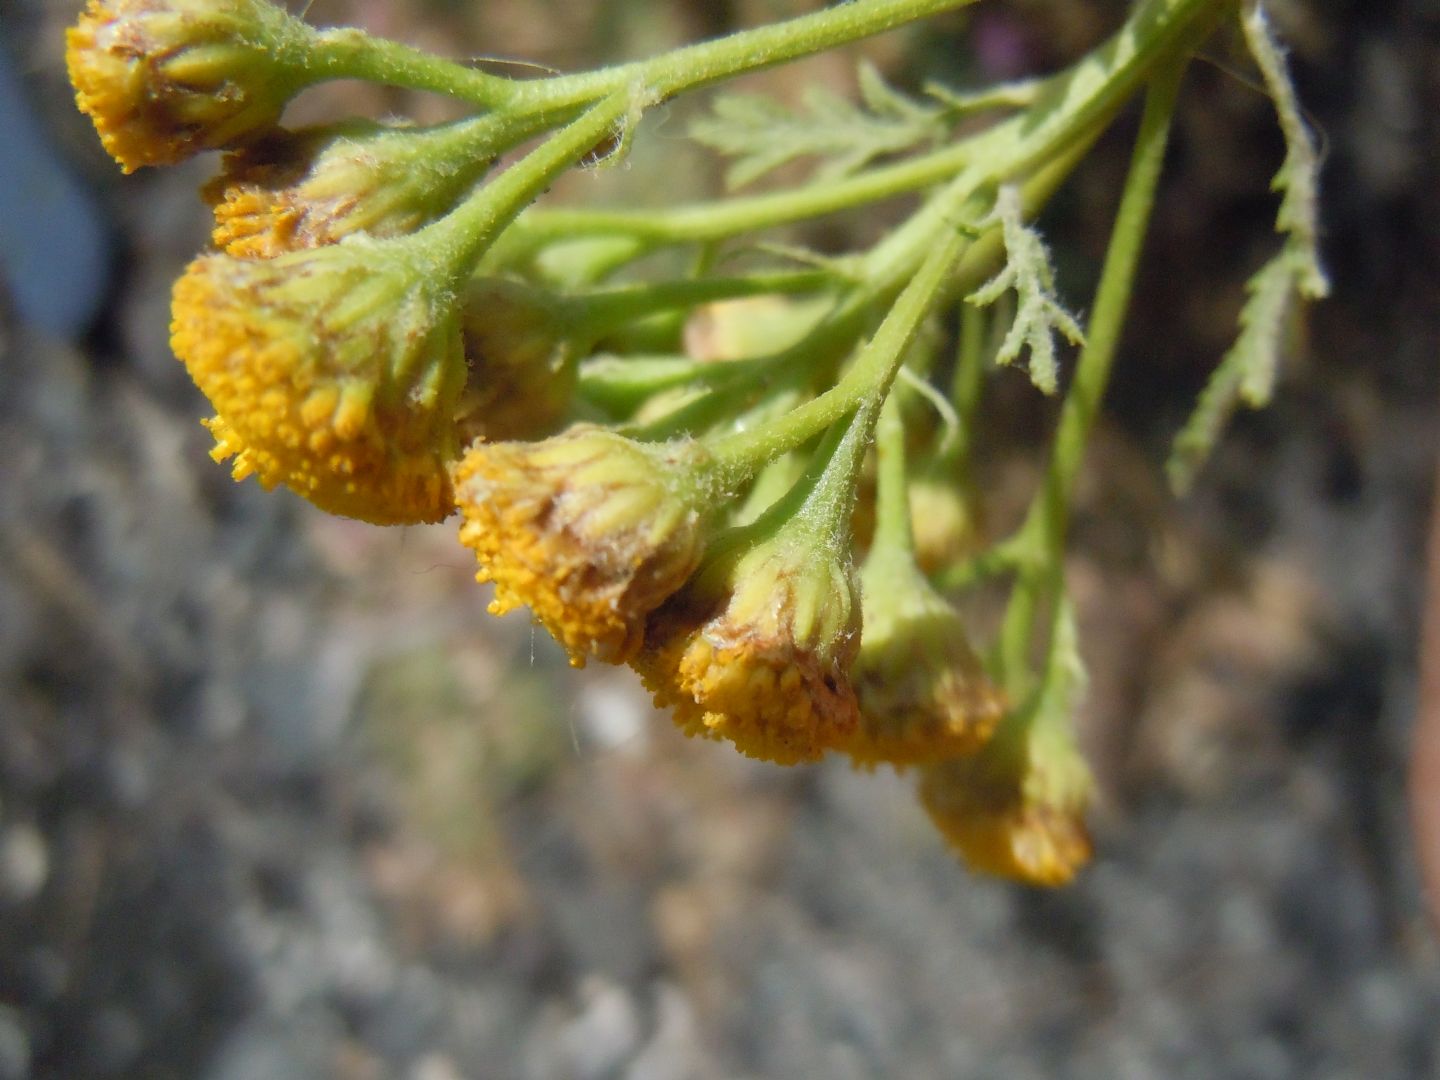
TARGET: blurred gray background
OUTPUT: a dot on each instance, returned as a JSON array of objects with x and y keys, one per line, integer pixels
[{"x": 279, "y": 800}]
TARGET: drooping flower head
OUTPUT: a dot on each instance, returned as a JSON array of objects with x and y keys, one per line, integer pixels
[
  {"x": 1017, "y": 808},
  {"x": 334, "y": 372},
  {"x": 291, "y": 190},
  {"x": 165, "y": 79},
  {"x": 589, "y": 529},
  {"x": 757, "y": 648},
  {"x": 923, "y": 692}
]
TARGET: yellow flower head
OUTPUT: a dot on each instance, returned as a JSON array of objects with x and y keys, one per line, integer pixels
[
  {"x": 292, "y": 190},
  {"x": 1017, "y": 808},
  {"x": 757, "y": 649},
  {"x": 521, "y": 360},
  {"x": 166, "y": 79},
  {"x": 590, "y": 529},
  {"x": 923, "y": 692},
  {"x": 334, "y": 372}
]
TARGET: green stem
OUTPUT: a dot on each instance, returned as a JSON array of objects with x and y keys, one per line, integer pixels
[
  {"x": 829, "y": 507},
  {"x": 597, "y": 313},
  {"x": 348, "y": 53},
  {"x": 1071, "y": 106},
  {"x": 1112, "y": 298},
  {"x": 449, "y": 158},
  {"x": 708, "y": 62},
  {"x": 720, "y": 220},
  {"x": 969, "y": 380},
  {"x": 459, "y": 239},
  {"x": 884, "y": 272},
  {"x": 1041, "y": 576},
  {"x": 892, "y": 493},
  {"x": 894, "y": 261},
  {"x": 1093, "y": 90},
  {"x": 867, "y": 380}
]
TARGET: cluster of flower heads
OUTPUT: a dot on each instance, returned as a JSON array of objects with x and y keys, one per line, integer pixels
[{"x": 351, "y": 354}]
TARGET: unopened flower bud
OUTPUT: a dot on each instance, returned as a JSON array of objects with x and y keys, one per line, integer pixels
[
  {"x": 334, "y": 372},
  {"x": 923, "y": 692},
  {"x": 943, "y": 521},
  {"x": 590, "y": 529},
  {"x": 165, "y": 79}
]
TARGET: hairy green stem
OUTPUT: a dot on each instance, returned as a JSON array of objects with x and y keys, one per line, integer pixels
[
  {"x": 1037, "y": 589},
  {"x": 725, "y": 218},
  {"x": 892, "y": 493},
  {"x": 867, "y": 380},
  {"x": 706, "y": 62},
  {"x": 901, "y": 257},
  {"x": 349, "y": 53},
  {"x": 459, "y": 239},
  {"x": 1069, "y": 107}
]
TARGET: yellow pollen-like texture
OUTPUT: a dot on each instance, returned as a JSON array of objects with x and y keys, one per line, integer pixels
[
  {"x": 252, "y": 223},
  {"x": 264, "y": 207},
  {"x": 285, "y": 420},
  {"x": 921, "y": 711},
  {"x": 773, "y": 701},
  {"x": 148, "y": 107},
  {"x": 589, "y": 550},
  {"x": 1001, "y": 832},
  {"x": 109, "y": 88}
]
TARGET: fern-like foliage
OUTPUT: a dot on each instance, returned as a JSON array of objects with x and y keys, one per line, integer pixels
[
  {"x": 1039, "y": 314},
  {"x": 1246, "y": 375},
  {"x": 761, "y": 135}
]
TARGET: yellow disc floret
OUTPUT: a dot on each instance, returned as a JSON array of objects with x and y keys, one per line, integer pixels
[
  {"x": 292, "y": 190},
  {"x": 165, "y": 79},
  {"x": 757, "y": 650},
  {"x": 589, "y": 529},
  {"x": 1017, "y": 808},
  {"x": 333, "y": 372}
]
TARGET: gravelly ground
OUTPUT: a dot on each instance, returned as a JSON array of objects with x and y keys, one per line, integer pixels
[{"x": 278, "y": 799}]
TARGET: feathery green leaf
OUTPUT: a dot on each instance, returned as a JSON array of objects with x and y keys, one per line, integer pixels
[
  {"x": 1039, "y": 314},
  {"x": 761, "y": 134}
]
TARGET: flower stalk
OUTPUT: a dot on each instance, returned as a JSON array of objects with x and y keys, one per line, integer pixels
[
  {"x": 664, "y": 468},
  {"x": 1040, "y": 544}
]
